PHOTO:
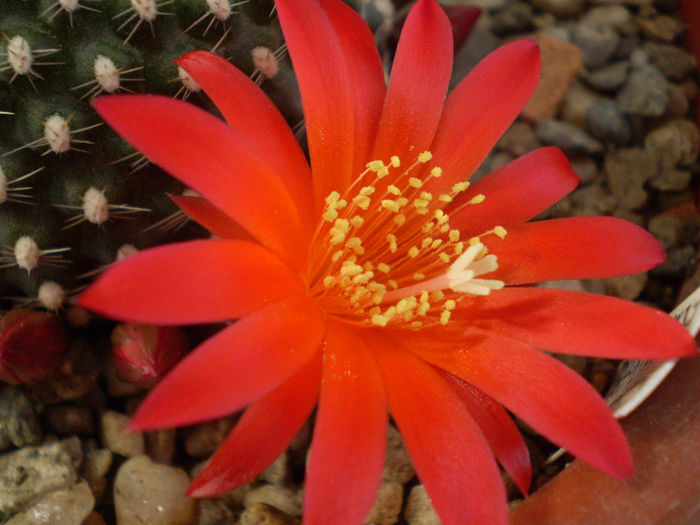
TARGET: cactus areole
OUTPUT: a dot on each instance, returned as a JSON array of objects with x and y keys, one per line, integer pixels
[{"x": 374, "y": 277}]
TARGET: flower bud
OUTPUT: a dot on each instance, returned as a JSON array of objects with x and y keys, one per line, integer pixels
[
  {"x": 32, "y": 346},
  {"x": 143, "y": 354}
]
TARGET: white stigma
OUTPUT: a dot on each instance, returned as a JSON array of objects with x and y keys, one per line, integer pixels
[
  {"x": 265, "y": 61},
  {"x": 51, "y": 295},
  {"x": 462, "y": 273},
  {"x": 57, "y": 133},
  {"x": 95, "y": 206},
  {"x": 27, "y": 253},
  {"x": 19, "y": 55},
  {"x": 146, "y": 9},
  {"x": 106, "y": 74}
]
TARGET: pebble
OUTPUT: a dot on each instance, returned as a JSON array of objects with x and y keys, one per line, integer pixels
[
  {"x": 515, "y": 18},
  {"x": 116, "y": 438},
  {"x": 678, "y": 104},
  {"x": 94, "y": 470},
  {"x": 645, "y": 93},
  {"x": 585, "y": 168},
  {"x": 278, "y": 473},
  {"x": 666, "y": 228},
  {"x": 616, "y": 17},
  {"x": 562, "y": 8},
  {"x": 674, "y": 62},
  {"x": 671, "y": 180},
  {"x": 419, "y": 510},
  {"x": 608, "y": 78},
  {"x": 148, "y": 493},
  {"x": 397, "y": 465},
  {"x": 387, "y": 506},
  {"x": 607, "y": 123},
  {"x": 94, "y": 519},
  {"x": 627, "y": 170},
  {"x": 19, "y": 423},
  {"x": 576, "y": 104},
  {"x": 597, "y": 43},
  {"x": 677, "y": 261},
  {"x": 519, "y": 139},
  {"x": 675, "y": 143},
  {"x": 203, "y": 440},
  {"x": 69, "y": 506},
  {"x": 626, "y": 286},
  {"x": 283, "y": 499},
  {"x": 33, "y": 471},
  {"x": 560, "y": 63},
  {"x": 592, "y": 200},
  {"x": 662, "y": 27},
  {"x": 70, "y": 419},
  {"x": 567, "y": 136},
  {"x": 261, "y": 514},
  {"x": 214, "y": 512}
]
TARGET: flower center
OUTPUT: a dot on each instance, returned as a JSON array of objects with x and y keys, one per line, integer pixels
[{"x": 385, "y": 254}]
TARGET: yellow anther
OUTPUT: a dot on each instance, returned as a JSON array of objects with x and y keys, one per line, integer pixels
[
  {"x": 394, "y": 285},
  {"x": 383, "y": 267},
  {"x": 390, "y": 205},
  {"x": 363, "y": 278},
  {"x": 379, "y": 320},
  {"x": 436, "y": 171},
  {"x": 350, "y": 269},
  {"x": 393, "y": 190},
  {"x": 383, "y": 172},
  {"x": 395, "y": 161},
  {"x": 413, "y": 251},
  {"x": 336, "y": 237},
  {"x": 474, "y": 240},
  {"x": 390, "y": 312},
  {"x": 402, "y": 306},
  {"x": 353, "y": 242},
  {"x": 337, "y": 255},
  {"x": 360, "y": 291},
  {"x": 422, "y": 211},
  {"x": 423, "y": 297},
  {"x": 444, "y": 197},
  {"x": 341, "y": 204},
  {"x": 368, "y": 266},
  {"x": 416, "y": 324},
  {"x": 478, "y": 199},
  {"x": 423, "y": 308},
  {"x": 415, "y": 182},
  {"x": 329, "y": 281},
  {"x": 450, "y": 304},
  {"x": 391, "y": 239},
  {"x": 460, "y": 187},
  {"x": 357, "y": 221},
  {"x": 374, "y": 310},
  {"x": 330, "y": 215},
  {"x": 500, "y": 232},
  {"x": 375, "y": 165},
  {"x": 437, "y": 295},
  {"x": 427, "y": 227},
  {"x": 378, "y": 296},
  {"x": 418, "y": 276},
  {"x": 435, "y": 244},
  {"x": 444, "y": 257},
  {"x": 402, "y": 201},
  {"x": 367, "y": 190},
  {"x": 425, "y": 157},
  {"x": 459, "y": 248},
  {"x": 426, "y": 195},
  {"x": 426, "y": 242},
  {"x": 400, "y": 219},
  {"x": 361, "y": 201},
  {"x": 453, "y": 235},
  {"x": 444, "y": 228},
  {"x": 420, "y": 203},
  {"x": 445, "y": 317},
  {"x": 332, "y": 198}
]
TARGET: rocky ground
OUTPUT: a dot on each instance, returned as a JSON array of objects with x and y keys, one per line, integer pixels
[{"x": 616, "y": 96}]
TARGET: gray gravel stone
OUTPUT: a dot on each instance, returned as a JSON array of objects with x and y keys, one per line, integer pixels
[
  {"x": 675, "y": 143},
  {"x": 419, "y": 510},
  {"x": 585, "y": 168},
  {"x": 561, "y": 7},
  {"x": 33, "y": 471},
  {"x": 610, "y": 77},
  {"x": 283, "y": 499},
  {"x": 515, "y": 18},
  {"x": 666, "y": 228},
  {"x": 214, "y": 512},
  {"x": 261, "y": 514},
  {"x": 19, "y": 423},
  {"x": 674, "y": 62},
  {"x": 671, "y": 180},
  {"x": 617, "y": 17},
  {"x": 203, "y": 440},
  {"x": 278, "y": 473},
  {"x": 662, "y": 27},
  {"x": 597, "y": 43},
  {"x": 519, "y": 139},
  {"x": 147, "y": 493},
  {"x": 607, "y": 123},
  {"x": 567, "y": 136},
  {"x": 116, "y": 438},
  {"x": 626, "y": 286},
  {"x": 397, "y": 465},
  {"x": 592, "y": 200},
  {"x": 645, "y": 93},
  {"x": 94, "y": 469},
  {"x": 576, "y": 104},
  {"x": 627, "y": 171},
  {"x": 69, "y": 506},
  {"x": 387, "y": 507}
]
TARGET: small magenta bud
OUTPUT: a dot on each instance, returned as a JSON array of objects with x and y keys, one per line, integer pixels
[
  {"x": 143, "y": 354},
  {"x": 32, "y": 346}
]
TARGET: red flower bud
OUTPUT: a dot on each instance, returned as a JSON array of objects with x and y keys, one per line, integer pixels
[
  {"x": 142, "y": 354},
  {"x": 32, "y": 346}
]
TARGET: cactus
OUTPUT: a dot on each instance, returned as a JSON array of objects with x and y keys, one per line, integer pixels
[{"x": 71, "y": 191}]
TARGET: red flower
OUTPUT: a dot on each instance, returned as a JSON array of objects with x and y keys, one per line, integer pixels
[{"x": 372, "y": 280}]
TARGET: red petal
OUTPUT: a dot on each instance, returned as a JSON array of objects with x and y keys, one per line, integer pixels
[
  {"x": 579, "y": 323},
  {"x": 347, "y": 453},
  {"x": 262, "y": 434},
  {"x": 326, "y": 94},
  {"x": 515, "y": 193},
  {"x": 365, "y": 74},
  {"x": 419, "y": 79},
  {"x": 573, "y": 248},
  {"x": 481, "y": 108},
  {"x": 448, "y": 450},
  {"x": 498, "y": 428},
  {"x": 545, "y": 393},
  {"x": 212, "y": 218},
  {"x": 252, "y": 114},
  {"x": 206, "y": 155},
  {"x": 192, "y": 282},
  {"x": 235, "y": 367}
]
